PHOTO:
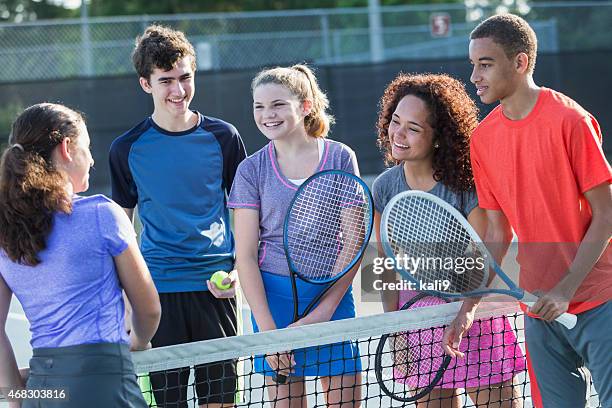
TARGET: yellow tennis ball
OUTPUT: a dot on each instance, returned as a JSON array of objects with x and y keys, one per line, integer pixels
[{"x": 218, "y": 277}]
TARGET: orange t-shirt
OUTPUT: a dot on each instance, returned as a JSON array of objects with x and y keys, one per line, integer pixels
[{"x": 536, "y": 171}]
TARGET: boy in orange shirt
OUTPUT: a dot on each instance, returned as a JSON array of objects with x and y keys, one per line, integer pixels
[{"x": 539, "y": 169}]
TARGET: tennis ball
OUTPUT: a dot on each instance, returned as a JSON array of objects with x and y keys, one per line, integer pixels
[{"x": 218, "y": 277}]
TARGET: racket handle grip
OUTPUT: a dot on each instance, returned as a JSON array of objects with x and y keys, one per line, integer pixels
[{"x": 566, "y": 319}]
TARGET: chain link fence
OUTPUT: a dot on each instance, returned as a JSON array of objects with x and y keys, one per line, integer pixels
[{"x": 228, "y": 41}]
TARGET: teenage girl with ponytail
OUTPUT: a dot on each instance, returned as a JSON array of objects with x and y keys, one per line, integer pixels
[
  {"x": 289, "y": 108},
  {"x": 67, "y": 258}
]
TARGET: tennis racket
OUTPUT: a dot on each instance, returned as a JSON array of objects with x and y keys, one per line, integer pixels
[
  {"x": 408, "y": 365},
  {"x": 327, "y": 228},
  {"x": 433, "y": 244}
]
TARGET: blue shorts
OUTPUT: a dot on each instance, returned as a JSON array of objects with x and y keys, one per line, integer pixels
[{"x": 324, "y": 360}]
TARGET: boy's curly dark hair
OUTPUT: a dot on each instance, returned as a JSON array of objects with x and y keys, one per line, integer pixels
[
  {"x": 454, "y": 116},
  {"x": 160, "y": 47}
]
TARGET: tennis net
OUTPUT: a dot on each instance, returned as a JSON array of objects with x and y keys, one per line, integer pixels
[{"x": 217, "y": 357}]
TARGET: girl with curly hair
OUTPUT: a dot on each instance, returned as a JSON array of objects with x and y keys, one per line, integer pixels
[{"x": 424, "y": 127}]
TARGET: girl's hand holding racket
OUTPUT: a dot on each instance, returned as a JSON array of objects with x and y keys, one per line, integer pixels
[
  {"x": 327, "y": 228},
  {"x": 281, "y": 362}
]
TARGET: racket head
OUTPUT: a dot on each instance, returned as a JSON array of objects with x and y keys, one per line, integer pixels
[
  {"x": 409, "y": 365},
  {"x": 328, "y": 226},
  {"x": 420, "y": 226}
]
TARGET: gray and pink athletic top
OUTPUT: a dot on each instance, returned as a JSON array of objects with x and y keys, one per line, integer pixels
[{"x": 259, "y": 185}]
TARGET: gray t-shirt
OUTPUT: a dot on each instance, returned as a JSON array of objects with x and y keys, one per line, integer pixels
[{"x": 393, "y": 181}]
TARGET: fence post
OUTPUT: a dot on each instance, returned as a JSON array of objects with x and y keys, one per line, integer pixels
[
  {"x": 325, "y": 38},
  {"x": 377, "y": 46},
  {"x": 87, "y": 69}
]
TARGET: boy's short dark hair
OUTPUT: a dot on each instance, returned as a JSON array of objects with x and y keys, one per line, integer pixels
[
  {"x": 513, "y": 34},
  {"x": 160, "y": 47}
]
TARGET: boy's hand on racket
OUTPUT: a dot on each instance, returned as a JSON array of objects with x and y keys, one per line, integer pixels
[
  {"x": 554, "y": 303},
  {"x": 454, "y": 332},
  {"x": 230, "y": 292}
]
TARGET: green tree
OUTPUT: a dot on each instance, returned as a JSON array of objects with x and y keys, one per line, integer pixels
[
  {"x": 129, "y": 7},
  {"x": 27, "y": 10}
]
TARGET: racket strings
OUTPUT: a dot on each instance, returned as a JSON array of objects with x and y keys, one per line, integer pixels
[
  {"x": 411, "y": 360},
  {"x": 439, "y": 247},
  {"x": 328, "y": 226}
]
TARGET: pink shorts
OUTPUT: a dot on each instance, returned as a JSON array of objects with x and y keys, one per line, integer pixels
[{"x": 492, "y": 354}]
